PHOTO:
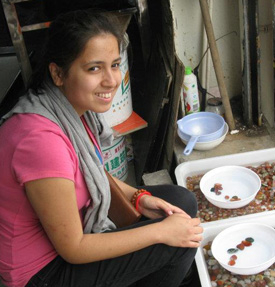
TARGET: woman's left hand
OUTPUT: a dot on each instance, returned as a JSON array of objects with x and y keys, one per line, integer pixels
[{"x": 154, "y": 207}]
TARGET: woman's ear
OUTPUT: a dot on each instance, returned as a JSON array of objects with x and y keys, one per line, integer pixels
[{"x": 56, "y": 74}]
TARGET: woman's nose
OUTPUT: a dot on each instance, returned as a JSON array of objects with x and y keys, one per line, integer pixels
[{"x": 110, "y": 78}]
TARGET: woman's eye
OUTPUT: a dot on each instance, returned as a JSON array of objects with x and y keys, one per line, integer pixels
[
  {"x": 116, "y": 65},
  {"x": 93, "y": 69}
]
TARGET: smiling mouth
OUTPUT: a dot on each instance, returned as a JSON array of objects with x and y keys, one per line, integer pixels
[{"x": 104, "y": 96}]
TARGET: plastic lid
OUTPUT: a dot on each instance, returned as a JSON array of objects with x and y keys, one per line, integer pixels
[
  {"x": 214, "y": 102},
  {"x": 188, "y": 70}
]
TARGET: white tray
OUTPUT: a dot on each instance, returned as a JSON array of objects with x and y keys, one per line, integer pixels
[
  {"x": 211, "y": 229},
  {"x": 194, "y": 167}
]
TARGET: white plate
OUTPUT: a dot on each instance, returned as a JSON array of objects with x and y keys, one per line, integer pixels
[
  {"x": 236, "y": 181},
  {"x": 201, "y": 166},
  {"x": 252, "y": 259}
]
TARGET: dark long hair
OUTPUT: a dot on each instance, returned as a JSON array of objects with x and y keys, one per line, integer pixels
[{"x": 67, "y": 37}]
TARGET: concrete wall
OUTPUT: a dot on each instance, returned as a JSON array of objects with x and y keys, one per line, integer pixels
[
  {"x": 191, "y": 42},
  {"x": 266, "y": 44}
]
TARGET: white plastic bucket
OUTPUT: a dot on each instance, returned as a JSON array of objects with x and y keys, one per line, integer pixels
[
  {"x": 121, "y": 108},
  {"x": 115, "y": 159}
]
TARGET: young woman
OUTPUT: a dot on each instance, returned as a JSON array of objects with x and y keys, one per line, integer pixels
[{"x": 54, "y": 195}]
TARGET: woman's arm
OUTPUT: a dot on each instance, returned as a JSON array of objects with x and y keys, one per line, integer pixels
[
  {"x": 150, "y": 206},
  {"x": 54, "y": 201},
  {"x": 126, "y": 188}
]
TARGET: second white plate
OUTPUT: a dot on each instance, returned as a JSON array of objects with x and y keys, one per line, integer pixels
[{"x": 252, "y": 259}]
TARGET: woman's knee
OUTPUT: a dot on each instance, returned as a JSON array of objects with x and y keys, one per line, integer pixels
[
  {"x": 186, "y": 200},
  {"x": 183, "y": 255},
  {"x": 176, "y": 195}
]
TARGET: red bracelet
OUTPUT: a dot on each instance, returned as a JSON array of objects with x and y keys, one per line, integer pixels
[
  {"x": 136, "y": 194},
  {"x": 140, "y": 196}
]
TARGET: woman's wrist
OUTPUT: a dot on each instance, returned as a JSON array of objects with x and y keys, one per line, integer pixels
[{"x": 137, "y": 196}]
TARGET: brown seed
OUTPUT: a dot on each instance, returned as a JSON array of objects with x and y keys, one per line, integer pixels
[
  {"x": 233, "y": 257},
  {"x": 240, "y": 246}
]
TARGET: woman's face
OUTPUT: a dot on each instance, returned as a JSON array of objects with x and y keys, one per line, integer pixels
[{"x": 94, "y": 76}]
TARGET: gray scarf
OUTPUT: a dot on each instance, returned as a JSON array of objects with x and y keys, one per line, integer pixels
[{"x": 53, "y": 105}]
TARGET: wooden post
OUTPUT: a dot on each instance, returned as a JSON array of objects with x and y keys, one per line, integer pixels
[{"x": 217, "y": 63}]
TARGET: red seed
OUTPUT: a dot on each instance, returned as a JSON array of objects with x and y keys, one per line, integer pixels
[
  {"x": 213, "y": 277},
  {"x": 246, "y": 243},
  {"x": 232, "y": 262}
]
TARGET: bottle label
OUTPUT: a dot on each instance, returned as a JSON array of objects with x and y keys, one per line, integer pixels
[{"x": 191, "y": 99}]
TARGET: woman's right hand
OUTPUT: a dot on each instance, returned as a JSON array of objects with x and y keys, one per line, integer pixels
[{"x": 179, "y": 231}]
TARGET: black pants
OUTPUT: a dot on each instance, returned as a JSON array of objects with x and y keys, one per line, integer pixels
[{"x": 156, "y": 265}]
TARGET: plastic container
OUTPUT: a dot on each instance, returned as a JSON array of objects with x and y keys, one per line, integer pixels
[
  {"x": 214, "y": 105},
  {"x": 213, "y": 228},
  {"x": 190, "y": 93},
  {"x": 115, "y": 159}
]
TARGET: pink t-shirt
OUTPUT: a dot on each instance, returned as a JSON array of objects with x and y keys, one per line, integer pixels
[{"x": 31, "y": 147}]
